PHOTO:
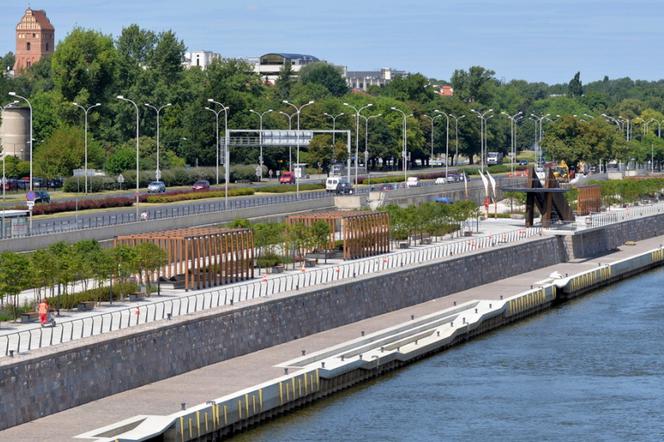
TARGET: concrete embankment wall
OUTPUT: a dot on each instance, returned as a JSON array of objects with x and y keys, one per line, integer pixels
[{"x": 57, "y": 378}]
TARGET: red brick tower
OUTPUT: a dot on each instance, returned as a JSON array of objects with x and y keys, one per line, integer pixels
[{"x": 35, "y": 38}]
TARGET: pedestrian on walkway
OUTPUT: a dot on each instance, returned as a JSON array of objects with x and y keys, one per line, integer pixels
[
  {"x": 43, "y": 311},
  {"x": 144, "y": 216}
]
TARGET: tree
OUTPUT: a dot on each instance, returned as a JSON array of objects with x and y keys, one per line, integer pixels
[
  {"x": 7, "y": 61},
  {"x": 166, "y": 59},
  {"x": 325, "y": 75},
  {"x": 575, "y": 87},
  {"x": 320, "y": 236},
  {"x": 136, "y": 45},
  {"x": 285, "y": 81},
  {"x": 14, "y": 276},
  {"x": 475, "y": 85},
  {"x": 149, "y": 259},
  {"x": 63, "y": 152}
]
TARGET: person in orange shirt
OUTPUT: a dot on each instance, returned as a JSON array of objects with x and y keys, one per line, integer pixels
[{"x": 43, "y": 311}]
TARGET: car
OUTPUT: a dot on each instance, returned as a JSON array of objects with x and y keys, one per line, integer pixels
[
  {"x": 42, "y": 196},
  {"x": 344, "y": 188},
  {"x": 55, "y": 183},
  {"x": 441, "y": 180},
  {"x": 412, "y": 181},
  {"x": 388, "y": 187},
  {"x": 287, "y": 178},
  {"x": 443, "y": 200},
  {"x": 201, "y": 185},
  {"x": 453, "y": 178},
  {"x": 523, "y": 162},
  {"x": 157, "y": 187},
  {"x": 332, "y": 182}
]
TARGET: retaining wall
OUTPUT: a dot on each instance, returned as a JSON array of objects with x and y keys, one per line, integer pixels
[{"x": 56, "y": 378}]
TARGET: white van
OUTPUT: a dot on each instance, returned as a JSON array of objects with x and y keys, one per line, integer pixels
[
  {"x": 412, "y": 181},
  {"x": 332, "y": 182}
]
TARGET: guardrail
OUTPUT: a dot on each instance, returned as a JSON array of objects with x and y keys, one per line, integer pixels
[
  {"x": 267, "y": 285},
  {"x": 603, "y": 219}
]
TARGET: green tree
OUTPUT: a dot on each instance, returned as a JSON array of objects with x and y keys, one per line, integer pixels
[
  {"x": 475, "y": 85},
  {"x": 166, "y": 59},
  {"x": 64, "y": 151},
  {"x": 575, "y": 87},
  {"x": 149, "y": 259},
  {"x": 14, "y": 276},
  {"x": 325, "y": 75},
  {"x": 285, "y": 81}
]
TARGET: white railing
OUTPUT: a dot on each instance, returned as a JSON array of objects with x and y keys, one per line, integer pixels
[
  {"x": 603, "y": 219},
  {"x": 267, "y": 285}
]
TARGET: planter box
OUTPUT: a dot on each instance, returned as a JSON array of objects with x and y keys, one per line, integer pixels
[
  {"x": 133, "y": 297},
  {"x": 29, "y": 317},
  {"x": 404, "y": 245},
  {"x": 278, "y": 269},
  {"x": 86, "y": 306},
  {"x": 426, "y": 241},
  {"x": 309, "y": 263},
  {"x": 468, "y": 233}
]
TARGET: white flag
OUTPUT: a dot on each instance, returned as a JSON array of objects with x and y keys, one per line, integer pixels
[
  {"x": 493, "y": 184},
  {"x": 486, "y": 184}
]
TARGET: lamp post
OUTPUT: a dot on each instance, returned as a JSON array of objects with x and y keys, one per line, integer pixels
[
  {"x": 447, "y": 141},
  {"x": 357, "y": 131},
  {"x": 216, "y": 116},
  {"x": 290, "y": 148},
  {"x": 538, "y": 130},
  {"x": 404, "y": 152},
  {"x": 366, "y": 138},
  {"x": 456, "y": 134},
  {"x": 334, "y": 125},
  {"x": 513, "y": 119},
  {"x": 432, "y": 119},
  {"x": 298, "y": 111},
  {"x": 85, "y": 162},
  {"x": 158, "y": 111},
  {"x": 14, "y": 94},
  {"x": 122, "y": 98},
  {"x": 483, "y": 116},
  {"x": 227, "y": 157},
  {"x": 260, "y": 158}
]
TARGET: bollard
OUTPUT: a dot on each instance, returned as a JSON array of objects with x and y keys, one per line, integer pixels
[
  {"x": 360, "y": 356},
  {"x": 231, "y": 301},
  {"x": 412, "y": 317},
  {"x": 452, "y": 324},
  {"x": 169, "y": 316},
  {"x": 304, "y": 352},
  {"x": 475, "y": 310},
  {"x": 342, "y": 357},
  {"x": 286, "y": 370},
  {"x": 501, "y": 296},
  {"x": 489, "y": 305},
  {"x": 362, "y": 332},
  {"x": 183, "y": 406},
  {"x": 11, "y": 353},
  {"x": 454, "y": 302},
  {"x": 415, "y": 341},
  {"x": 438, "y": 333},
  {"x": 382, "y": 349},
  {"x": 464, "y": 320},
  {"x": 322, "y": 364}
]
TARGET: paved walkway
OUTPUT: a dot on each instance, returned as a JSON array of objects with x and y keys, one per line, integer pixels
[
  {"x": 164, "y": 397},
  {"x": 73, "y": 325}
]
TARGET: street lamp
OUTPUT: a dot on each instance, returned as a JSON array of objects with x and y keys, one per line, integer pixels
[
  {"x": 122, "y": 98},
  {"x": 334, "y": 125},
  {"x": 260, "y": 158},
  {"x": 483, "y": 116},
  {"x": 298, "y": 111},
  {"x": 85, "y": 164},
  {"x": 366, "y": 138},
  {"x": 14, "y": 94},
  {"x": 357, "y": 131},
  {"x": 227, "y": 156},
  {"x": 404, "y": 152},
  {"x": 432, "y": 119},
  {"x": 456, "y": 134},
  {"x": 216, "y": 116},
  {"x": 538, "y": 131},
  {"x": 513, "y": 119},
  {"x": 290, "y": 148},
  {"x": 158, "y": 111},
  {"x": 447, "y": 140}
]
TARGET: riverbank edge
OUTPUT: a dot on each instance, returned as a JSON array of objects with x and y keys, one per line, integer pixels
[{"x": 243, "y": 410}]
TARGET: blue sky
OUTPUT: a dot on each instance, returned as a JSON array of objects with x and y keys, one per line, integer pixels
[{"x": 536, "y": 40}]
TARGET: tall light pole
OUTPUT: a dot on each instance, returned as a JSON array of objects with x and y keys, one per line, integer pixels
[
  {"x": 334, "y": 125},
  {"x": 216, "y": 116},
  {"x": 138, "y": 178},
  {"x": 366, "y": 138},
  {"x": 483, "y": 116},
  {"x": 260, "y": 119},
  {"x": 86, "y": 110},
  {"x": 290, "y": 148},
  {"x": 227, "y": 156},
  {"x": 432, "y": 119},
  {"x": 513, "y": 119},
  {"x": 298, "y": 111},
  {"x": 357, "y": 131},
  {"x": 158, "y": 111},
  {"x": 538, "y": 130},
  {"x": 14, "y": 94},
  {"x": 404, "y": 152},
  {"x": 447, "y": 141},
  {"x": 456, "y": 134}
]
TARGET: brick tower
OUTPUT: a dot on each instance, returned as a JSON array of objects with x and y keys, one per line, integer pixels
[{"x": 35, "y": 38}]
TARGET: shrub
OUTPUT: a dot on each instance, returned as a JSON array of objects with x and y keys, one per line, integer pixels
[
  {"x": 70, "y": 301},
  {"x": 283, "y": 188},
  {"x": 189, "y": 195},
  {"x": 71, "y": 206}
]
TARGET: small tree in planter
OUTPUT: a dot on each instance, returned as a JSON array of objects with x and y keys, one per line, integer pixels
[
  {"x": 319, "y": 236},
  {"x": 149, "y": 259},
  {"x": 124, "y": 260},
  {"x": 14, "y": 276}
]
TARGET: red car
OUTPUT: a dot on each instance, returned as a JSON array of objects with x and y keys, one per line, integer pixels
[
  {"x": 287, "y": 178},
  {"x": 201, "y": 185}
]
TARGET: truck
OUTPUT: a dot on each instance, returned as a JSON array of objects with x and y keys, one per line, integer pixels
[{"x": 494, "y": 158}]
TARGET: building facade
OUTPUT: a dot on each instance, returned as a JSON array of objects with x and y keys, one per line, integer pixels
[
  {"x": 200, "y": 59},
  {"x": 361, "y": 80},
  {"x": 35, "y": 39},
  {"x": 269, "y": 66}
]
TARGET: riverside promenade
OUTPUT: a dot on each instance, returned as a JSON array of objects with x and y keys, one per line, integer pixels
[{"x": 198, "y": 386}]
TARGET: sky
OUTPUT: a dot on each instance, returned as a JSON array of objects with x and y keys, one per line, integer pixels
[{"x": 534, "y": 40}]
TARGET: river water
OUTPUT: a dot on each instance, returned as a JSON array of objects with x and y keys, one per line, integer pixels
[{"x": 592, "y": 369}]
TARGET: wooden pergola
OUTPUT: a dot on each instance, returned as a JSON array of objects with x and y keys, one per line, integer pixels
[
  {"x": 204, "y": 256},
  {"x": 364, "y": 233}
]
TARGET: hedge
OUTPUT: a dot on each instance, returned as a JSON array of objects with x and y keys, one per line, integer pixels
[
  {"x": 283, "y": 188},
  {"x": 71, "y": 206},
  {"x": 98, "y": 294},
  {"x": 188, "y": 196}
]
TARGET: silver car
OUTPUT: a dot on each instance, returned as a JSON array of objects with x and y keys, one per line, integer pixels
[{"x": 157, "y": 187}]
